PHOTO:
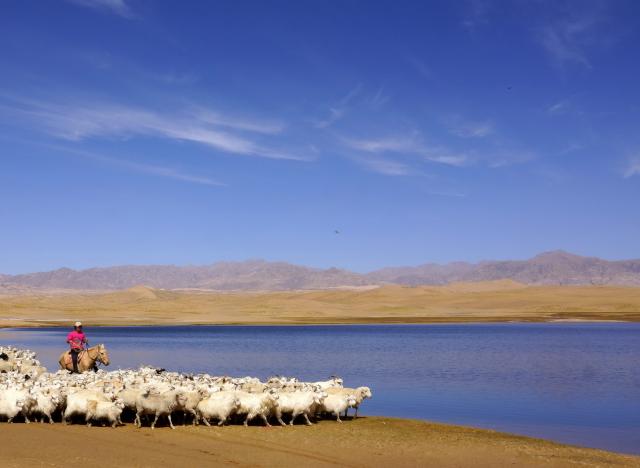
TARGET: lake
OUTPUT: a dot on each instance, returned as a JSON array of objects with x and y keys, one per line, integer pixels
[{"x": 576, "y": 383}]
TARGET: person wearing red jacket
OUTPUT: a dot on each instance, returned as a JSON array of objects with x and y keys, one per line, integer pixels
[{"x": 77, "y": 341}]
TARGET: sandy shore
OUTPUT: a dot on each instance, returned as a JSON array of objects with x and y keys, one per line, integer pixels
[
  {"x": 368, "y": 441},
  {"x": 499, "y": 301}
]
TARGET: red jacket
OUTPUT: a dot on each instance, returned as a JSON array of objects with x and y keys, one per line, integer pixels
[{"x": 76, "y": 340}]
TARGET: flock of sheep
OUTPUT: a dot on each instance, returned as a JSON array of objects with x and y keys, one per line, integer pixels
[{"x": 28, "y": 391}]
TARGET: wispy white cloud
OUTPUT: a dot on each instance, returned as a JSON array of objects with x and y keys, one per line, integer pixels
[
  {"x": 76, "y": 122},
  {"x": 258, "y": 126},
  {"x": 385, "y": 166},
  {"x": 144, "y": 168},
  {"x": 335, "y": 114},
  {"x": 506, "y": 156},
  {"x": 633, "y": 167},
  {"x": 118, "y": 7},
  {"x": 445, "y": 193},
  {"x": 381, "y": 145},
  {"x": 567, "y": 38},
  {"x": 466, "y": 129},
  {"x": 131, "y": 71},
  {"x": 407, "y": 145},
  {"x": 562, "y": 46},
  {"x": 378, "y": 100},
  {"x": 339, "y": 109},
  {"x": 494, "y": 151},
  {"x": 180, "y": 79},
  {"x": 559, "y": 107},
  {"x": 571, "y": 147}
]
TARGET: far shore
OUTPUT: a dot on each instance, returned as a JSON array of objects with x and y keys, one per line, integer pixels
[
  {"x": 64, "y": 323},
  {"x": 488, "y": 302},
  {"x": 367, "y": 441}
]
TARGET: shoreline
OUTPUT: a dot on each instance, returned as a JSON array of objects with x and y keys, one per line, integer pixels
[
  {"x": 39, "y": 324},
  {"x": 367, "y": 441}
]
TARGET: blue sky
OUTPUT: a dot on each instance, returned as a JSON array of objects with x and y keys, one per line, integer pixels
[{"x": 139, "y": 131}]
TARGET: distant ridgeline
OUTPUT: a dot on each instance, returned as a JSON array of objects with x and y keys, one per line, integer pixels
[{"x": 550, "y": 268}]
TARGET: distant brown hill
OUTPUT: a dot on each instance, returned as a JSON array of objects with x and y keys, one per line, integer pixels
[
  {"x": 251, "y": 275},
  {"x": 550, "y": 268}
]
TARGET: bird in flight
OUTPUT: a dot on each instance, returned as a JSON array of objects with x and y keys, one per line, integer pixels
[{"x": 335, "y": 231}]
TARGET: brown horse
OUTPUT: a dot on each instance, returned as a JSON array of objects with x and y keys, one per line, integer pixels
[{"x": 86, "y": 359}]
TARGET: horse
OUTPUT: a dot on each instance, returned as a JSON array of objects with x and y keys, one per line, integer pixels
[{"x": 86, "y": 359}]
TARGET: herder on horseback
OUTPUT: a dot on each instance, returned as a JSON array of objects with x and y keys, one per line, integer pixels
[
  {"x": 77, "y": 341},
  {"x": 80, "y": 358}
]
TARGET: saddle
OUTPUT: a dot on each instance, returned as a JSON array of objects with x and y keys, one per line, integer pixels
[{"x": 67, "y": 358}]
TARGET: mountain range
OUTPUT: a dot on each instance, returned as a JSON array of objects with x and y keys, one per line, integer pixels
[{"x": 549, "y": 268}]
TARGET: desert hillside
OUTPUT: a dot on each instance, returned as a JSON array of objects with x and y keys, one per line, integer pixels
[{"x": 460, "y": 302}]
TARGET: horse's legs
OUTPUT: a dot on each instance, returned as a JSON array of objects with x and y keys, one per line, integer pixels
[
  {"x": 170, "y": 421},
  {"x": 155, "y": 420}
]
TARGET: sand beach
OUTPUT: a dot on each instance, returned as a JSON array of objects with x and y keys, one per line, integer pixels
[{"x": 365, "y": 442}]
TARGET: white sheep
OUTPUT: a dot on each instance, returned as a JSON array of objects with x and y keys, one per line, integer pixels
[
  {"x": 360, "y": 393},
  {"x": 129, "y": 396},
  {"x": 336, "y": 403},
  {"x": 333, "y": 382},
  {"x": 15, "y": 397},
  {"x": 77, "y": 403},
  {"x": 192, "y": 398},
  {"x": 11, "y": 404},
  {"x": 257, "y": 404},
  {"x": 109, "y": 410},
  {"x": 46, "y": 403},
  {"x": 219, "y": 405},
  {"x": 159, "y": 405},
  {"x": 298, "y": 403}
]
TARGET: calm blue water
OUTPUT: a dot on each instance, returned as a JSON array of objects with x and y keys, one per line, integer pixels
[{"x": 574, "y": 383}]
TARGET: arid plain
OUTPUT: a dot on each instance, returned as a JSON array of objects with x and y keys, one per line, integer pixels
[{"x": 497, "y": 301}]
